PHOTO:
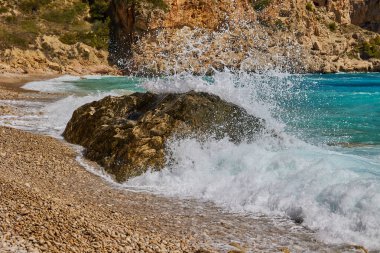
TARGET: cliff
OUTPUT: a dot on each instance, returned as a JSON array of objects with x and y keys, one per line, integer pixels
[
  {"x": 366, "y": 14},
  {"x": 53, "y": 36},
  {"x": 201, "y": 36}
]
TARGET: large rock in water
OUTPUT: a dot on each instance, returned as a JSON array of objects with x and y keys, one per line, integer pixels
[{"x": 126, "y": 135}]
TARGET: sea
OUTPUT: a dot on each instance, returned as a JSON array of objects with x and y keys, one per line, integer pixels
[{"x": 320, "y": 169}]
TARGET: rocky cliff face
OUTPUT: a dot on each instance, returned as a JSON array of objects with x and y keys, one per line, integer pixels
[
  {"x": 50, "y": 55},
  {"x": 53, "y": 36},
  {"x": 201, "y": 36},
  {"x": 127, "y": 135},
  {"x": 366, "y": 14}
]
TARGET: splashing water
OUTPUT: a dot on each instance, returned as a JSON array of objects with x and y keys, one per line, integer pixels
[
  {"x": 306, "y": 173},
  {"x": 333, "y": 190}
]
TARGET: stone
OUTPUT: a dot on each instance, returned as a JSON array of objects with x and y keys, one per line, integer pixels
[
  {"x": 126, "y": 150},
  {"x": 51, "y": 55},
  {"x": 317, "y": 46}
]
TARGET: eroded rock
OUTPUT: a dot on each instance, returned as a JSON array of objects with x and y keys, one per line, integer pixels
[{"x": 127, "y": 134}]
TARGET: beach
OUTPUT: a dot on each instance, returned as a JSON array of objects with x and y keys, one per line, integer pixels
[
  {"x": 51, "y": 203},
  {"x": 189, "y": 126}
]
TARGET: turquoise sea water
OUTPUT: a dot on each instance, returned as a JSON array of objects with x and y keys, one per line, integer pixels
[
  {"x": 343, "y": 108},
  {"x": 88, "y": 85},
  {"x": 334, "y": 108},
  {"x": 322, "y": 167}
]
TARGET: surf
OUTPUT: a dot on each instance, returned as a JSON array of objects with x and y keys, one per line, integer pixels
[{"x": 303, "y": 172}]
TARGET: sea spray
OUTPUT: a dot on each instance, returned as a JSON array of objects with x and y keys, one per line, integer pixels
[
  {"x": 329, "y": 188},
  {"x": 337, "y": 195}
]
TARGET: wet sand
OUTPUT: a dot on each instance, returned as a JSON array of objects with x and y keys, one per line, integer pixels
[{"x": 50, "y": 203}]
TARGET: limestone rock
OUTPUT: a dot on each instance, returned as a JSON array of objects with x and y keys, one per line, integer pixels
[
  {"x": 366, "y": 14},
  {"x": 201, "y": 36},
  {"x": 52, "y": 56},
  {"x": 317, "y": 46},
  {"x": 127, "y": 135}
]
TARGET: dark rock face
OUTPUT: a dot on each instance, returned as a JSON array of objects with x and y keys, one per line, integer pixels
[
  {"x": 366, "y": 14},
  {"x": 121, "y": 30},
  {"x": 126, "y": 135}
]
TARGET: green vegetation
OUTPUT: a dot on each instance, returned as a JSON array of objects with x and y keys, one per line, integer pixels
[
  {"x": 11, "y": 19},
  {"x": 159, "y": 4},
  {"x": 29, "y": 26},
  {"x": 99, "y": 9},
  {"x": 18, "y": 32},
  {"x": 31, "y": 6},
  {"x": 280, "y": 25},
  {"x": 261, "y": 4},
  {"x": 13, "y": 39},
  {"x": 72, "y": 21},
  {"x": 332, "y": 26},
  {"x": 370, "y": 49},
  {"x": 68, "y": 15},
  {"x": 310, "y": 6},
  {"x": 3, "y": 9},
  {"x": 97, "y": 37}
]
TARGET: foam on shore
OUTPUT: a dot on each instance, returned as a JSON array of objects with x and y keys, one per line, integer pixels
[{"x": 334, "y": 192}]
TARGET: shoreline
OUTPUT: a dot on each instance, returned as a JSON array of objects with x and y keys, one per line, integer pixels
[
  {"x": 48, "y": 190},
  {"x": 11, "y": 84},
  {"x": 46, "y": 193}
]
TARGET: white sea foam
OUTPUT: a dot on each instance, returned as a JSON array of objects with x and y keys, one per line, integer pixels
[
  {"x": 60, "y": 84},
  {"x": 334, "y": 193},
  {"x": 51, "y": 117}
]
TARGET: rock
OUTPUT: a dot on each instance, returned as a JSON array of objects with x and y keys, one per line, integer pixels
[
  {"x": 51, "y": 55},
  {"x": 128, "y": 149},
  {"x": 366, "y": 14},
  {"x": 200, "y": 36},
  {"x": 317, "y": 46}
]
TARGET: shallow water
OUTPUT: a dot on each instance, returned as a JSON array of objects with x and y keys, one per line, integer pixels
[{"x": 324, "y": 170}]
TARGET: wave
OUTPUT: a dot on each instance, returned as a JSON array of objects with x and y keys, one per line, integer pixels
[
  {"x": 338, "y": 195},
  {"x": 334, "y": 192},
  {"x": 56, "y": 85}
]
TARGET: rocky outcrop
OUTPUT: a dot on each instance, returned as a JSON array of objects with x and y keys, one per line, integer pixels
[
  {"x": 50, "y": 55},
  {"x": 202, "y": 36},
  {"x": 127, "y": 135},
  {"x": 366, "y": 14}
]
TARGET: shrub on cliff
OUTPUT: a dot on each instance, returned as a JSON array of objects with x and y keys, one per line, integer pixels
[
  {"x": 67, "y": 15},
  {"x": 3, "y": 9},
  {"x": 33, "y": 5},
  {"x": 310, "y": 6},
  {"x": 155, "y": 3},
  {"x": 332, "y": 26},
  {"x": 97, "y": 37},
  {"x": 99, "y": 9},
  {"x": 261, "y": 4},
  {"x": 370, "y": 49}
]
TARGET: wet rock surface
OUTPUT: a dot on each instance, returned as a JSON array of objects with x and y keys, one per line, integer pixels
[{"x": 127, "y": 134}]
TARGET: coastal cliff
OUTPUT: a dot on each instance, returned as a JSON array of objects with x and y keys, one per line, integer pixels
[
  {"x": 53, "y": 37},
  {"x": 201, "y": 36},
  {"x": 171, "y": 36},
  {"x": 366, "y": 14}
]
